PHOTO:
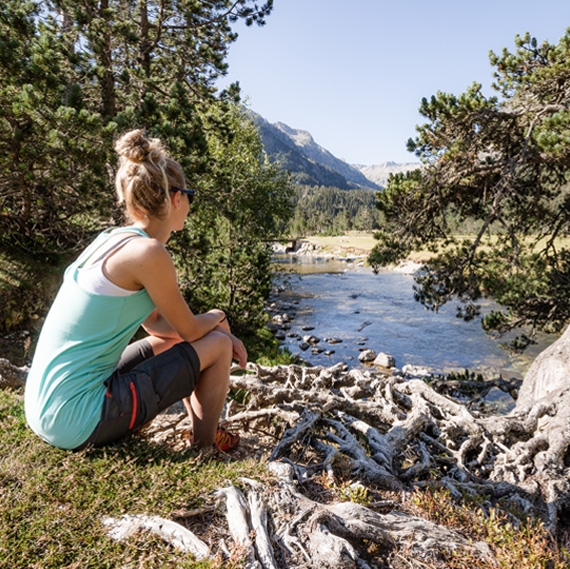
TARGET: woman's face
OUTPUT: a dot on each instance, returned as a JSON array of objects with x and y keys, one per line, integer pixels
[{"x": 181, "y": 207}]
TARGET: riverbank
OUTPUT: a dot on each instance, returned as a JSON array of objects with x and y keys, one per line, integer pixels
[
  {"x": 354, "y": 243},
  {"x": 361, "y": 243}
]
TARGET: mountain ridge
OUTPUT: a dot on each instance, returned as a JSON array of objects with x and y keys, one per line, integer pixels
[
  {"x": 311, "y": 164},
  {"x": 379, "y": 173}
]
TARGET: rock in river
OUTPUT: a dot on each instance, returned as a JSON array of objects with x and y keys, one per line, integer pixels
[
  {"x": 384, "y": 360},
  {"x": 367, "y": 356}
]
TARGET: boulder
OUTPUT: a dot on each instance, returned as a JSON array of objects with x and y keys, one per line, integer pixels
[
  {"x": 384, "y": 360},
  {"x": 367, "y": 356}
]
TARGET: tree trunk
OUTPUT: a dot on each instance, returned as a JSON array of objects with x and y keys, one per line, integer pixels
[
  {"x": 105, "y": 50},
  {"x": 549, "y": 373}
]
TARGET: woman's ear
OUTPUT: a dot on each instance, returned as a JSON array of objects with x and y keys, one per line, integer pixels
[{"x": 176, "y": 197}]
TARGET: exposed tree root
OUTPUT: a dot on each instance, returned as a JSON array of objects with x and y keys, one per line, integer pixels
[
  {"x": 389, "y": 433},
  {"x": 175, "y": 534}
]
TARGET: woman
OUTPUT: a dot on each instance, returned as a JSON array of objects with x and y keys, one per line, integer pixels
[{"x": 87, "y": 383}]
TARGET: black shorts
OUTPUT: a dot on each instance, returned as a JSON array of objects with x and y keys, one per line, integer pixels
[{"x": 142, "y": 386}]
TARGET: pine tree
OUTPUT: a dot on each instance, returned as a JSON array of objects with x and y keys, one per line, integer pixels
[
  {"x": 74, "y": 75},
  {"x": 503, "y": 163}
]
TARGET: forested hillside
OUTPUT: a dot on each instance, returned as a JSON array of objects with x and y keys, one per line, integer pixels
[{"x": 325, "y": 210}]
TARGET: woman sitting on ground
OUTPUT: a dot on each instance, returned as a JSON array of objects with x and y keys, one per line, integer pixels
[{"x": 88, "y": 384}]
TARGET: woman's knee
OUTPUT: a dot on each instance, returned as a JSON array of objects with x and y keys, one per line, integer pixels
[
  {"x": 223, "y": 341},
  {"x": 212, "y": 348}
]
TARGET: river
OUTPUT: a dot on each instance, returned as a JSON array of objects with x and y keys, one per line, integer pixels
[{"x": 377, "y": 311}]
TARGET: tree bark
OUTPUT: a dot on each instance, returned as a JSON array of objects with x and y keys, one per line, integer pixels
[{"x": 549, "y": 373}]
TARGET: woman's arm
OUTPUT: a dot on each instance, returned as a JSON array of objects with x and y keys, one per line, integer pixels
[
  {"x": 157, "y": 325},
  {"x": 148, "y": 265}
]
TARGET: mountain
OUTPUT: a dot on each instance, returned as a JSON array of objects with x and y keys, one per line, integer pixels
[
  {"x": 379, "y": 173},
  {"x": 311, "y": 164},
  {"x": 296, "y": 151}
]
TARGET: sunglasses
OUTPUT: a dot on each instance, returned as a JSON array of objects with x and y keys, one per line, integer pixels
[{"x": 189, "y": 193}]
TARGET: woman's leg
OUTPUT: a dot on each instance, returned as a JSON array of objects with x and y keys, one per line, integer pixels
[{"x": 207, "y": 400}]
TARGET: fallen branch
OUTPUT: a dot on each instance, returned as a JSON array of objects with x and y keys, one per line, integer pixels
[{"x": 178, "y": 536}]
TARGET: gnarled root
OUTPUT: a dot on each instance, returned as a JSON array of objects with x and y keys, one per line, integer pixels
[{"x": 390, "y": 434}]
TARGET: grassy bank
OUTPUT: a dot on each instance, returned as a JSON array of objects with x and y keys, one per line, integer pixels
[
  {"x": 52, "y": 501},
  {"x": 350, "y": 242},
  {"x": 355, "y": 243},
  {"x": 359, "y": 243}
]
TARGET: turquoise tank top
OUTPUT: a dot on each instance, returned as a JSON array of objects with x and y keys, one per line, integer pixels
[{"x": 79, "y": 347}]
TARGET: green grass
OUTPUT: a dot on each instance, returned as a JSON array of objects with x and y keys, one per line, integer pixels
[
  {"x": 52, "y": 501},
  {"x": 527, "y": 545},
  {"x": 264, "y": 349}
]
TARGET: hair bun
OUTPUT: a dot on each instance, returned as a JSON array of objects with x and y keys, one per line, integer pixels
[{"x": 136, "y": 147}]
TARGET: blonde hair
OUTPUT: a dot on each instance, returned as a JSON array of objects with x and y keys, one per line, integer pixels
[{"x": 145, "y": 175}]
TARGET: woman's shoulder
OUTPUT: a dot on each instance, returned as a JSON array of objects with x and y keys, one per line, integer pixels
[
  {"x": 145, "y": 250},
  {"x": 132, "y": 262},
  {"x": 136, "y": 237}
]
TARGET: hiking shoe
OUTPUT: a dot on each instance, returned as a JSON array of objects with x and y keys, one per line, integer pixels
[{"x": 225, "y": 440}]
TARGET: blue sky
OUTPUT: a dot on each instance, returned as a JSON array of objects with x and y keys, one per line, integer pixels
[{"x": 353, "y": 73}]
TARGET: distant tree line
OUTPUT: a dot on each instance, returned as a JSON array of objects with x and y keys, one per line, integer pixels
[
  {"x": 73, "y": 76},
  {"x": 332, "y": 211}
]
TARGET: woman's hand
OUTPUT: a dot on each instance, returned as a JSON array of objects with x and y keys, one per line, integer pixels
[{"x": 239, "y": 351}]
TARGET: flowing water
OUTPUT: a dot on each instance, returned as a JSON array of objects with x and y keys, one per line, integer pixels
[{"x": 367, "y": 311}]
